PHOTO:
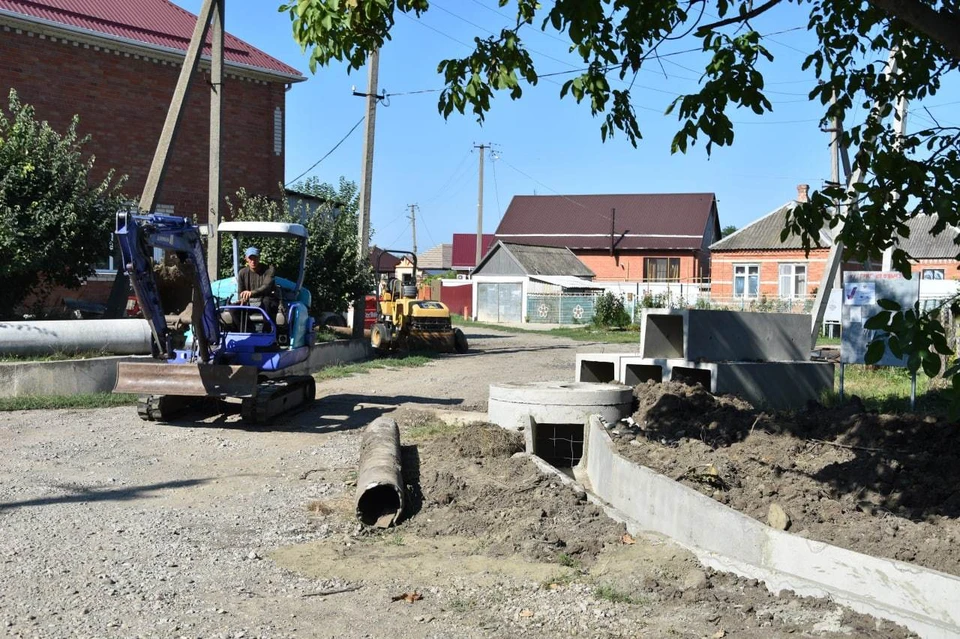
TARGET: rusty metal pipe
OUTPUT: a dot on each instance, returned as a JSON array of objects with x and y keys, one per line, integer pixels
[{"x": 379, "y": 478}]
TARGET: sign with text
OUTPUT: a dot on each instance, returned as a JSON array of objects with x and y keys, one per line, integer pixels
[{"x": 861, "y": 290}]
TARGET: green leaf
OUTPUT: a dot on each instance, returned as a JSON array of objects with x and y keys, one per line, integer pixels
[
  {"x": 875, "y": 352},
  {"x": 879, "y": 321},
  {"x": 889, "y": 305},
  {"x": 931, "y": 365}
]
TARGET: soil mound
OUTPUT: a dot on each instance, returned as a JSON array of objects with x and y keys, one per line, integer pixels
[
  {"x": 481, "y": 439},
  {"x": 885, "y": 485}
]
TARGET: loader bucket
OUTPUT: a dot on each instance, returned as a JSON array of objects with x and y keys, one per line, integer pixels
[{"x": 193, "y": 380}]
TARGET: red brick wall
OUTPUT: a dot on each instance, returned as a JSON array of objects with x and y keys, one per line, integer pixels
[
  {"x": 629, "y": 268},
  {"x": 122, "y": 103},
  {"x": 951, "y": 268},
  {"x": 722, "y": 264}
]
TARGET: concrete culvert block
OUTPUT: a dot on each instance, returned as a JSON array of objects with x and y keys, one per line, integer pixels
[
  {"x": 379, "y": 499},
  {"x": 512, "y": 404}
]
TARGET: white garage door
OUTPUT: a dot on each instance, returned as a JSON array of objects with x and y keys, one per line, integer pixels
[{"x": 499, "y": 302}]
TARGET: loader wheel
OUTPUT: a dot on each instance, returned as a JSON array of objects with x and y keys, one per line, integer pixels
[
  {"x": 379, "y": 338},
  {"x": 459, "y": 341}
]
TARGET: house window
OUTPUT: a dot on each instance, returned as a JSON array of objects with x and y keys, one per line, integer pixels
[
  {"x": 746, "y": 280},
  {"x": 793, "y": 280},
  {"x": 932, "y": 274},
  {"x": 661, "y": 269}
]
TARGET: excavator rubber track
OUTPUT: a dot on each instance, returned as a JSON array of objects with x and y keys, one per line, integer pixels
[
  {"x": 278, "y": 396},
  {"x": 163, "y": 408}
]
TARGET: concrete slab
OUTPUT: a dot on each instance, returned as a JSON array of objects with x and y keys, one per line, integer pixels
[
  {"x": 719, "y": 336},
  {"x": 924, "y": 600},
  {"x": 512, "y": 405}
]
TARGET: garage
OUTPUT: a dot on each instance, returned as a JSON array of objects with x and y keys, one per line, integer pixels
[{"x": 500, "y": 302}]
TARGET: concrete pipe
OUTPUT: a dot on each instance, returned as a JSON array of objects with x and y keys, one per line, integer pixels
[
  {"x": 118, "y": 337},
  {"x": 380, "y": 479}
]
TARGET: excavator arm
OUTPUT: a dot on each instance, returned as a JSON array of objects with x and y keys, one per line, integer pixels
[{"x": 138, "y": 235}]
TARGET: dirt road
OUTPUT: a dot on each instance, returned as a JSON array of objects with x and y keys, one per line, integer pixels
[{"x": 112, "y": 527}]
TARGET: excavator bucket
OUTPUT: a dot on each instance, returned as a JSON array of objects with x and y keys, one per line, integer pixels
[{"x": 192, "y": 380}]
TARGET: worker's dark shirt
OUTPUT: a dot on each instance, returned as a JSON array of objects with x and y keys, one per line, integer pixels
[{"x": 260, "y": 282}]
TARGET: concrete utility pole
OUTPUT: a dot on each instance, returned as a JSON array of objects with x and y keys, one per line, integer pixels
[
  {"x": 413, "y": 225},
  {"x": 836, "y": 251},
  {"x": 366, "y": 179},
  {"x": 482, "y": 147},
  {"x": 216, "y": 140}
]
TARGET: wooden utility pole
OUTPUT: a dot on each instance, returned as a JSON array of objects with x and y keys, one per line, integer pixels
[
  {"x": 413, "y": 225},
  {"x": 216, "y": 140},
  {"x": 482, "y": 147},
  {"x": 366, "y": 180}
]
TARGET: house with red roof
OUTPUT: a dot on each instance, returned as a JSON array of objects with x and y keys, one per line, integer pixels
[
  {"x": 646, "y": 237},
  {"x": 115, "y": 64},
  {"x": 463, "y": 258}
]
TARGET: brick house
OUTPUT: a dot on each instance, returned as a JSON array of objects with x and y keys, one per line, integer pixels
[
  {"x": 115, "y": 64},
  {"x": 754, "y": 264},
  {"x": 621, "y": 238},
  {"x": 934, "y": 257}
]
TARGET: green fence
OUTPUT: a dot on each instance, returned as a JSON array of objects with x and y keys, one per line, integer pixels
[{"x": 543, "y": 308}]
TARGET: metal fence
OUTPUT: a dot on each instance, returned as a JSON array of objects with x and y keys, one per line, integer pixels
[{"x": 560, "y": 308}]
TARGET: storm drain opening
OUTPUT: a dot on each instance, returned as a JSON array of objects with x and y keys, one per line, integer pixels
[
  {"x": 636, "y": 374},
  {"x": 560, "y": 445},
  {"x": 597, "y": 372},
  {"x": 692, "y": 376}
]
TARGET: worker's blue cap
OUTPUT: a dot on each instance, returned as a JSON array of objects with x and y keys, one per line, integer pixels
[{"x": 253, "y": 250}]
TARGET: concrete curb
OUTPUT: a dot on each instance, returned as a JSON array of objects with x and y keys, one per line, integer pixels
[
  {"x": 99, "y": 374},
  {"x": 923, "y": 600}
]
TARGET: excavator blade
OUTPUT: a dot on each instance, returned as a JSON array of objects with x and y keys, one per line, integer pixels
[{"x": 192, "y": 380}]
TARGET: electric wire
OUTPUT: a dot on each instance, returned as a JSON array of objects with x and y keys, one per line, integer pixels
[
  {"x": 496, "y": 185},
  {"x": 449, "y": 180},
  {"x": 335, "y": 147}
]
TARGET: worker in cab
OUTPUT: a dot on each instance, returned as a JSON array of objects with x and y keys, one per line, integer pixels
[{"x": 256, "y": 285}]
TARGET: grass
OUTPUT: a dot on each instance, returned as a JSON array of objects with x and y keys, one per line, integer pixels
[
  {"x": 54, "y": 357},
  {"x": 827, "y": 341},
  {"x": 431, "y": 430},
  {"x": 91, "y": 400},
  {"x": 611, "y": 594},
  {"x": 461, "y": 605},
  {"x": 567, "y": 561},
  {"x": 346, "y": 370},
  {"x": 887, "y": 389},
  {"x": 579, "y": 332}
]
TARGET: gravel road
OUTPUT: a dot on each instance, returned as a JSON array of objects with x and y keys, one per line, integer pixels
[{"x": 113, "y": 527}]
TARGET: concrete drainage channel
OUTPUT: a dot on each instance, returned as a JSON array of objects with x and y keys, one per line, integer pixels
[{"x": 565, "y": 436}]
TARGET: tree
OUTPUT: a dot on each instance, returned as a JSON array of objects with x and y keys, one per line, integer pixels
[
  {"x": 334, "y": 274},
  {"x": 54, "y": 221},
  {"x": 728, "y": 230},
  {"x": 904, "y": 175}
]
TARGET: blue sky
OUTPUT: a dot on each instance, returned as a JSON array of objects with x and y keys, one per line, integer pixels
[{"x": 545, "y": 145}]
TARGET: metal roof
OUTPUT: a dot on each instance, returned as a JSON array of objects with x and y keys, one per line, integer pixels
[
  {"x": 153, "y": 23},
  {"x": 465, "y": 249},
  {"x": 641, "y": 221},
  {"x": 263, "y": 228},
  {"x": 764, "y": 234},
  {"x": 567, "y": 281},
  {"x": 922, "y": 244},
  {"x": 540, "y": 260}
]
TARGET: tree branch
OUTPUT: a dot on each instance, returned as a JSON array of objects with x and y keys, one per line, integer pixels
[
  {"x": 940, "y": 26},
  {"x": 742, "y": 17}
]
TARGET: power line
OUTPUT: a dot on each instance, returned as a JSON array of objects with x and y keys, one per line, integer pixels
[{"x": 335, "y": 147}]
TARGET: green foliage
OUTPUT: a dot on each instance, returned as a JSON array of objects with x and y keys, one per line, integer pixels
[
  {"x": 608, "y": 310},
  {"x": 334, "y": 273},
  {"x": 55, "y": 221},
  {"x": 730, "y": 229},
  {"x": 43, "y": 402}
]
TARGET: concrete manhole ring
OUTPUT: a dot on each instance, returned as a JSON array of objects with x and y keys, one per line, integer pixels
[{"x": 557, "y": 402}]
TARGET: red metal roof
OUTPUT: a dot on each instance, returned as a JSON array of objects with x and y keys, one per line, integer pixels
[
  {"x": 642, "y": 221},
  {"x": 153, "y": 22},
  {"x": 465, "y": 249}
]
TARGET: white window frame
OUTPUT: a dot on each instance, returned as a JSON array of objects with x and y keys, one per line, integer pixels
[
  {"x": 933, "y": 271},
  {"x": 745, "y": 275},
  {"x": 788, "y": 274}
]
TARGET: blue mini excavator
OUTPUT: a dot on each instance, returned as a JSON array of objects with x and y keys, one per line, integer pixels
[{"x": 229, "y": 350}]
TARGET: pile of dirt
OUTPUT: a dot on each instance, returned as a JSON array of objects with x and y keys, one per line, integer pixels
[
  {"x": 885, "y": 485},
  {"x": 471, "y": 485}
]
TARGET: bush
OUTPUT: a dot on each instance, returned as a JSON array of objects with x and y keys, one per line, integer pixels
[
  {"x": 609, "y": 311},
  {"x": 54, "y": 221},
  {"x": 335, "y": 275}
]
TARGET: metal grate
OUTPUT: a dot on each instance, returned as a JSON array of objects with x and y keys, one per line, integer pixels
[{"x": 560, "y": 445}]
